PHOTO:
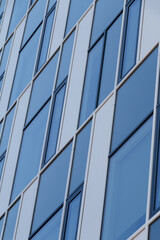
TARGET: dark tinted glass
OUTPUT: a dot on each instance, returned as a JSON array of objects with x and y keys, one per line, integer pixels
[
  {"x": 54, "y": 129},
  {"x": 154, "y": 232},
  {"x": 34, "y": 19},
  {"x": 135, "y": 100},
  {"x": 54, "y": 178},
  {"x": 45, "y": 40},
  {"x": 106, "y": 11},
  {"x": 80, "y": 158},
  {"x": 5, "y": 57},
  {"x": 77, "y": 8},
  {"x": 89, "y": 98},
  {"x": 42, "y": 87},
  {"x": 50, "y": 230},
  {"x": 6, "y": 131},
  {"x": 11, "y": 222},
  {"x": 131, "y": 37},
  {"x": 19, "y": 10},
  {"x": 127, "y": 186},
  {"x": 72, "y": 218},
  {"x": 30, "y": 152},
  {"x": 1, "y": 224},
  {"x": 65, "y": 59},
  {"x": 25, "y": 66},
  {"x": 110, "y": 60}
]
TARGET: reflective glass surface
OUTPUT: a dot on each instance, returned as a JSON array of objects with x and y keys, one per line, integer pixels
[
  {"x": 91, "y": 84},
  {"x": 80, "y": 158},
  {"x": 2, "y": 5},
  {"x": 51, "y": 3},
  {"x": 45, "y": 40},
  {"x": 11, "y": 222},
  {"x": 131, "y": 37},
  {"x": 105, "y": 13},
  {"x": 54, "y": 128},
  {"x": 50, "y": 230},
  {"x": 42, "y": 87},
  {"x": 135, "y": 100},
  {"x": 65, "y": 59},
  {"x": 1, "y": 224},
  {"x": 1, "y": 165},
  {"x": 76, "y": 10},
  {"x": 72, "y": 219},
  {"x": 30, "y": 152},
  {"x": 110, "y": 59},
  {"x": 34, "y": 18},
  {"x": 127, "y": 186},
  {"x": 154, "y": 231},
  {"x": 5, "y": 57},
  {"x": 25, "y": 66},
  {"x": 54, "y": 178},
  {"x": 19, "y": 10}
]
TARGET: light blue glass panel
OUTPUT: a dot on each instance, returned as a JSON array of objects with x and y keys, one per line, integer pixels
[
  {"x": 80, "y": 158},
  {"x": 110, "y": 60},
  {"x": 130, "y": 50},
  {"x": 127, "y": 186},
  {"x": 42, "y": 87},
  {"x": 34, "y": 19},
  {"x": 2, "y": 5},
  {"x": 46, "y": 39},
  {"x": 11, "y": 222},
  {"x": 65, "y": 59},
  {"x": 25, "y": 66},
  {"x": 106, "y": 12},
  {"x": 91, "y": 84},
  {"x": 6, "y": 131},
  {"x": 135, "y": 100},
  {"x": 5, "y": 57},
  {"x": 76, "y": 10},
  {"x": 154, "y": 231},
  {"x": 19, "y": 10},
  {"x": 1, "y": 165},
  {"x": 54, "y": 178},
  {"x": 72, "y": 219},
  {"x": 51, "y": 3},
  {"x": 1, "y": 224},
  {"x": 54, "y": 129},
  {"x": 50, "y": 230},
  {"x": 30, "y": 152}
]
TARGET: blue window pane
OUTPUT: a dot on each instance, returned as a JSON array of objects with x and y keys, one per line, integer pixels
[
  {"x": 72, "y": 218},
  {"x": 110, "y": 59},
  {"x": 45, "y": 40},
  {"x": 51, "y": 3},
  {"x": 11, "y": 222},
  {"x": 19, "y": 10},
  {"x": 6, "y": 131},
  {"x": 80, "y": 158},
  {"x": 54, "y": 178},
  {"x": 154, "y": 231},
  {"x": 76, "y": 10},
  {"x": 131, "y": 110},
  {"x": 2, "y": 5},
  {"x": 50, "y": 230},
  {"x": 34, "y": 19},
  {"x": 1, "y": 165},
  {"x": 54, "y": 129},
  {"x": 5, "y": 57},
  {"x": 65, "y": 59},
  {"x": 25, "y": 66},
  {"x": 126, "y": 196},
  {"x": 90, "y": 91},
  {"x": 30, "y": 152},
  {"x": 130, "y": 50},
  {"x": 42, "y": 87},
  {"x": 1, "y": 224},
  {"x": 106, "y": 11}
]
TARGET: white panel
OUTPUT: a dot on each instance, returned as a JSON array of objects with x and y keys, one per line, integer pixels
[
  {"x": 5, "y": 23},
  {"x": 93, "y": 208},
  {"x": 76, "y": 79},
  {"x": 9, "y": 74},
  {"x": 151, "y": 30},
  {"x": 141, "y": 236},
  {"x": 26, "y": 213},
  {"x": 60, "y": 23},
  {"x": 12, "y": 154}
]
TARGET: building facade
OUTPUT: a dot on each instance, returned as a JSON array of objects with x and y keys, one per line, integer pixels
[{"x": 79, "y": 120}]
